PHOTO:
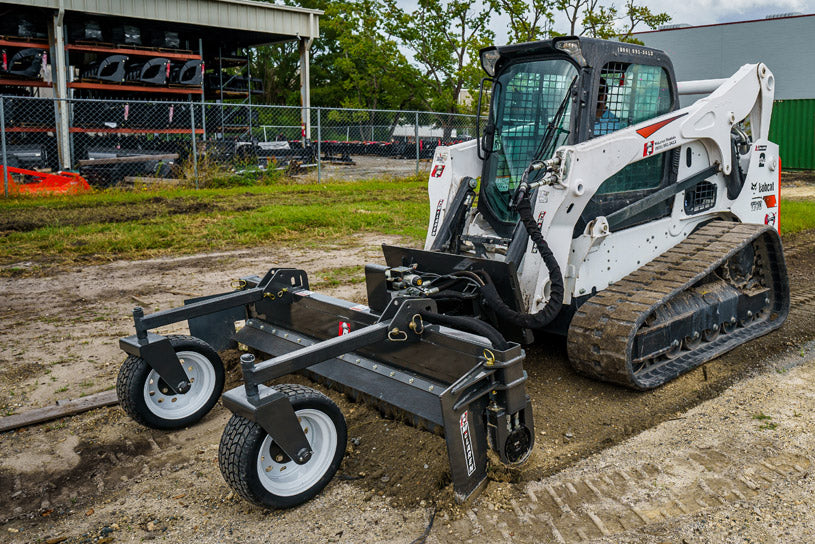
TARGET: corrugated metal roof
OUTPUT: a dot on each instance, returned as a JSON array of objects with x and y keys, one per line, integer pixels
[
  {"x": 247, "y": 15},
  {"x": 717, "y": 51},
  {"x": 681, "y": 26}
]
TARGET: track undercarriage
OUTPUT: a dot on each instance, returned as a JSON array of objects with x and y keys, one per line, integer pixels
[{"x": 722, "y": 286}]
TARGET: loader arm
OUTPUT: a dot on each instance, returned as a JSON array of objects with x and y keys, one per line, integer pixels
[{"x": 704, "y": 128}]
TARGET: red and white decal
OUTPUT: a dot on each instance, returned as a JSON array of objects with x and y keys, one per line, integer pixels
[
  {"x": 648, "y": 148},
  {"x": 439, "y": 208},
  {"x": 360, "y": 308},
  {"x": 769, "y": 219},
  {"x": 646, "y": 132},
  {"x": 438, "y": 170},
  {"x": 304, "y": 293},
  {"x": 344, "y": 328},
  {"x": 467, "y": 441}
]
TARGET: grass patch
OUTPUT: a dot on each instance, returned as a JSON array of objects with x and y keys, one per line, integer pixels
[
  {"x": 116, "y": 224},
  {"x": 797, "y": 215},
  {"x": 342, "y": 275}
]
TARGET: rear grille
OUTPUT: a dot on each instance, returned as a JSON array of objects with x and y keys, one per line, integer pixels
[{"x": 699, "y": 198}]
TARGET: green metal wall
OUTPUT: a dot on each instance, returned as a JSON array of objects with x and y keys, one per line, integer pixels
[{"x": 793, "y": 129}]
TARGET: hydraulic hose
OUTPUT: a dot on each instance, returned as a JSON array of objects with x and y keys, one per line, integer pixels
[
  {"x": 469, "y": 324},
  {"x": 490, "y": 293}
]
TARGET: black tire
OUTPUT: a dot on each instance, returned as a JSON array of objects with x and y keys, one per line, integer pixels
[
  {"x": 133, "y": 375},
  {"x": 241, "y": 442}
]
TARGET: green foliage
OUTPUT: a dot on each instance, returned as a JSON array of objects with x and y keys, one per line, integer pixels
[
  {"x": 355, "y": 62},
  {"x": 596, "y": 20},
  {"x": 528, "y": 21},
  {"x": 444, "y": 37},
  {"x": 797, "y": 215},
  {"x": 244, "y": 177}
]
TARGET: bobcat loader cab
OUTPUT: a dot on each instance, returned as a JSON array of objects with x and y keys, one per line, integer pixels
[{"x": 564, "y": 92}]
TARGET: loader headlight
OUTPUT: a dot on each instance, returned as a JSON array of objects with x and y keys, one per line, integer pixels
[
  {"x": 489, "y": 58},
  {"x": 572, "y": 48}
]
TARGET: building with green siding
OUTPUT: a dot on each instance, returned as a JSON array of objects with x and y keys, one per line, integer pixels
[{"x": 783, "y": 42}]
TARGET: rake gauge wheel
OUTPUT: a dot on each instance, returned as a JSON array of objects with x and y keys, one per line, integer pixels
[
  {"x": 147, "y": 399},
  {"x": 258, "y": 470}
]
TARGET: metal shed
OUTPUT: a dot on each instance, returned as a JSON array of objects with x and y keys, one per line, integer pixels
[
  {"x": 781, "y": 42},
  {"x": 236, "y": 23}
]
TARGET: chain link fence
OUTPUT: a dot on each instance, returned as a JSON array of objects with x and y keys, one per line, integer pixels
[{"x": 192, "y": 143}]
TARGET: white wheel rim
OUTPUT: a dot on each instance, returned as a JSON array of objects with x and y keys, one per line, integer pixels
[
  {"x": 288, "y": 479},
  {"x": 168, "y": 405}
]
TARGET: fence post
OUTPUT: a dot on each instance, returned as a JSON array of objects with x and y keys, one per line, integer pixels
[
  {"x": 194, "y": 148},
  {"x": 416, "y": 138},
  {"x": 319, "y": 146},
  {"x": 3, "y": 138}
]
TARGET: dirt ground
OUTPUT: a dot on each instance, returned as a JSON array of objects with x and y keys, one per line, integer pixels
[
  {"x": 365, "y": 166},
  {"x": 99, "y": 477}
]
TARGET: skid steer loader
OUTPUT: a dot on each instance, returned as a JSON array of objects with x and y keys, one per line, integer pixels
[{"x": 593, "y": 207}]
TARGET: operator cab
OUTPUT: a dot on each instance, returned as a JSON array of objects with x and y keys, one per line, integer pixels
[{"x": 562, "y": 92}]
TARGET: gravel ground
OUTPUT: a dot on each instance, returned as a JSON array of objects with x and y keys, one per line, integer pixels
[{"x": 99, "y": 477}]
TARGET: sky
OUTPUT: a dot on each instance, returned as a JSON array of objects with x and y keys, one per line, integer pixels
[{"x": 692, "y": 12}]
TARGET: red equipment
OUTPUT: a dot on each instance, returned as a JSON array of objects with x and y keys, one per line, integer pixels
[{"x": 33, "y": 182}]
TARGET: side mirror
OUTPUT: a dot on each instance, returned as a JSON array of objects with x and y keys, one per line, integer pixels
[{"x": 485, "y": 145}]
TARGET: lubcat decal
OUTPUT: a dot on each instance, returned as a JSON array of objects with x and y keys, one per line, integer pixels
[
  {"x": 344, "y": 328},
  {"x": 646, "y": 132},
  {"x": 439, "y": 208},
  {"x": 769, "y": 219},
  {"x": 438, "y": 170},
  {"x": 768, "y": 187}
]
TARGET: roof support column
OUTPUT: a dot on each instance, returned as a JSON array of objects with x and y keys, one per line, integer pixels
[
  {"x": 305, "y": 81},
  {"x": 305, "y": 89},
  {"x": 59, "y": 68}
]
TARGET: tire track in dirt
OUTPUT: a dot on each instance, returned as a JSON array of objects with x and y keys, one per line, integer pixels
[{"x": 724, "y": 455}]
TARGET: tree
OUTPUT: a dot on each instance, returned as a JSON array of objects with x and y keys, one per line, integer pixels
[
  {"x": 444, "y": 37},
  {"x": 528, "y": 21},
  {"x": 374, "y": 72},
  {"x": 596, "y": 20},
  {"x": 355, "y": 62}
]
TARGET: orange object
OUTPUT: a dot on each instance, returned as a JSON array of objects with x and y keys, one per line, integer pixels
[
  {"x": 770, "y": 201},
  {"x": 33, "y": 182}
]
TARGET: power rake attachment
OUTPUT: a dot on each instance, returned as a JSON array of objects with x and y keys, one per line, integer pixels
[{"x": 284, "y": 443}]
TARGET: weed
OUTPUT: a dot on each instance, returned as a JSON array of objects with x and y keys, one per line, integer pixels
[
  {"x": 769, "y": 426},
  {"x": 62, "y": 389},
  {"x": 761, "y": 416}
]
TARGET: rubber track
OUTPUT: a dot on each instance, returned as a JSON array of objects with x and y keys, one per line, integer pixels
[{"x": 602, "y": 332}]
